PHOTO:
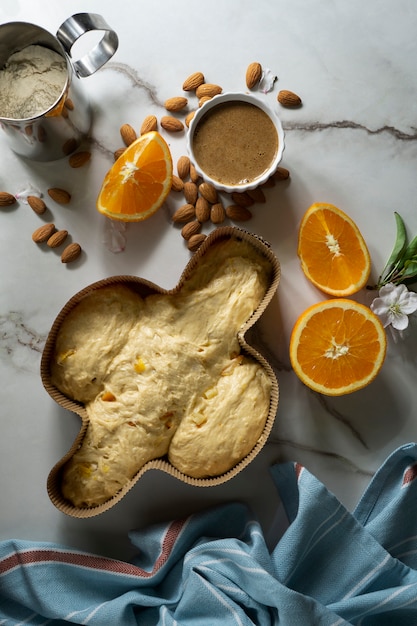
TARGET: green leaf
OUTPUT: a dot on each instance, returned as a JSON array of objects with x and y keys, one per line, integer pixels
[
  {"x": 410, "y": 270},
  {"x": 411, "y": 250},
  {"x": 397, "y": 251}
]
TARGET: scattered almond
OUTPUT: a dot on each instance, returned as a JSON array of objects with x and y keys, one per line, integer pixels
[
  {"x": 183, "y": 167},
  {"x": 281, "y": 173},
  {"x": 195, "y": 241},
  {"x": 118, "y": 153},
  {"x": 149, "y": 124},
  {"x": 69, "y": 146},
  {"x": 59, "y": 195},
  {"x": 184, "y": 213},
  {"x": 78, "y": 159},
  {"x": 238, "y": 213},
  {"x": 288, "y": 98},
  {"x": 253, "y": 75},
  {"x": 128, "y": 134},
  {"x": 42, "y": 234},
  {"x": 202, "y": 209},
  {"x": 194, "y": 175},
  {"x": 217, "y": 213},
  {"x": 177, "y": 183},
  {"x": 71, "y": 253},
  {"x": 190, "y": 192},
  {"x": 242, "y": 198},
  {"x": 6, "y": 199},
  {"x": 208, "y": 192},
  {"x": 208, "y": 89},
  {"x": 171, "y": 124},
  {"x": 203, "y": 100},
  {"x": 37, "y": 204},
  {"x": 57, "y": 238},
  {"x": 190, "y": 229},
  {"x": 69, "y": 104},
  {"x": 177, "y": 103},
  {"x": 189, "y": 118},
  {"x": 193, "y": 81},
  {"x": 257, "y": 195}
]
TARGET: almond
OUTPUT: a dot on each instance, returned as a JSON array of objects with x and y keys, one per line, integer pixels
[
  {"x": 208, "y": 192},
  {"x": 42, "y": 234},
  {"x": 70, "y": 253},
  {"x": 203, "y": 100},
  {"x": 190, "y": 192},
  {"x": 193, "y": 81},
  {"x": 184, "y": 213},
  {"x": 238, "y": 213},
  {"x": 208, "y": 89},
  {"x": 57, "y": 238},
  {"x": 149, "y": 124},
  {"x": 59, "y": 195},
  {"x": 176, "y": 104},
  {"x": 195, "y": 241},
  {"x": 190, "y": 229},
  {"x": 194, "y": 175},
  {"x": 183, "y": 167},
  {"x": 242, "y": 199},
  {"x": 270, "y": 182},
  {"x": 281, "y": 173},
  {"x": 128, "y": 134},
  {"x": 253, "y": 75},
  {"x": 78, "y": 159},
  {"x": 6, "y": 199},
  {"x": 256, "y": 194},
  {"x": 288, "y": 98},
  {"x": 177, "y": 184},
  {"x": 202, "y": 209},
  {"x": 69, "y": 146},
  {"x": 118, "y": 153},
  {"x": 37, "y": 204},
  {"x": 69, "y": 104},
  {"x": 217, "y": 213},
  {"x": 171, "y": 124},
  {"x": 189, "y": 118}
]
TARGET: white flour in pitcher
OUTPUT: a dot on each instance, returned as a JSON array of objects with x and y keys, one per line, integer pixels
[{"x": 31, "y": 81}]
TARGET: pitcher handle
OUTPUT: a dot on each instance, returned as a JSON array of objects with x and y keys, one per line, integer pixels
[{"x": 76, "y": 26}]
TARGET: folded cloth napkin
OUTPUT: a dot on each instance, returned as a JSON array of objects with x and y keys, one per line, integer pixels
[{"x": 330, "y": 567}]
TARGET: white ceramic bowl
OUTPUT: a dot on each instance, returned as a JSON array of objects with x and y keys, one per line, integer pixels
[{"x": 236, "y": 97}]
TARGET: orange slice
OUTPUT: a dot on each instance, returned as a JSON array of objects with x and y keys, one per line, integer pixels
[
  {"x": 332, "y": 251},
  {"x": 138, "y": 183},
  {"x": 337, "y": 346}
]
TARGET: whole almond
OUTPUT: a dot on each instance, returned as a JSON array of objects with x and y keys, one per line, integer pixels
[
  {"x": 6, "y": 198},
  {"x": 185, "y": 213},
  {"x": 208, "y": 89},
  {"x": 149, "y": 124},
  {"x": 208, "y": 192},
  {"x": 281, "y": 173},
  {"x": 288, "y": 98},
  {"x": 183, "y": 167},
  {"x": 193, "y": 81},
  {"x": 195, "y": 241},
  {"x": 78, "y": 159},
  {"x": 118, "y": 153},
  {"x": 203, "y": 100},
  {"x": 238, "y": 213},
  {"x": 194, "y": 175},
  {"x": 202, "y": 209},
  {"x": 69, "y": 104},
  {"x": 217, "y": 213},
  {"x": 171, "y": 124},
  {"x": 37, "y": 204},
  {"x": 57, "y": 238},
  {"x": 70, "y": 253},
  {"x": 128, "y": 134},
  {"x": 253, "y": 75},
  {"x": 42, "y": 234},
  {"x": 242, "y": 199},
  {"x": 59, "y": 195},
  {"x": 69, "y": 146},
  {"x": 190, "y": 192},
  {"x": 177, "y": 184},
  {"x": 177, "y": 103},
  {"x": 190, "y": 229},
  {"x": 189, "y": 118},
  {"x": 257, "y": 195}
]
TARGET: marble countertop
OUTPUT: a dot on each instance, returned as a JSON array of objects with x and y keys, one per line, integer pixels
[{"x": 353, "y": 143}]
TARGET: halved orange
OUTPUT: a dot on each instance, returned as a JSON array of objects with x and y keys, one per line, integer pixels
[
  {"x": 332, "y": 251},
  {"x": 337, "y": 346},
  {"x": 138, "y": 183}
]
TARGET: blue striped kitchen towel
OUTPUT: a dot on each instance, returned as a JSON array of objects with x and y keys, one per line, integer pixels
[{"x": 330, "y": 567}]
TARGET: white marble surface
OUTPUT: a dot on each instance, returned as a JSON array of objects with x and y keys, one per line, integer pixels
[{"x": 353, "y": 143}]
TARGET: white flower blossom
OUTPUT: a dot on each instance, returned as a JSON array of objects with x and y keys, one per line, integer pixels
[{"x": 394, "y": 304}]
